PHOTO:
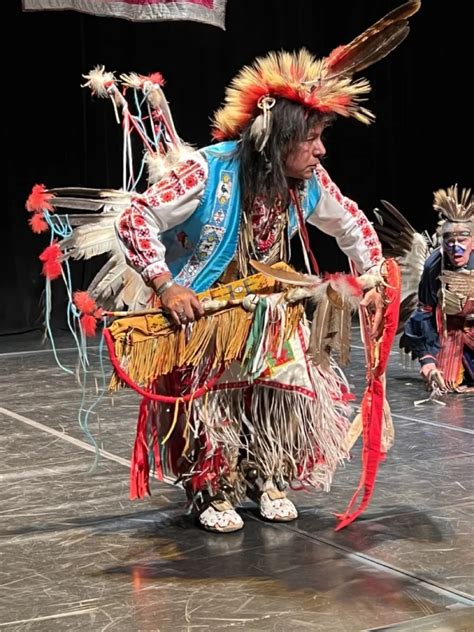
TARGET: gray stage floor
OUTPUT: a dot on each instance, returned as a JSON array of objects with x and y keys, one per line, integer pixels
[{"x": 76, "y": 554}]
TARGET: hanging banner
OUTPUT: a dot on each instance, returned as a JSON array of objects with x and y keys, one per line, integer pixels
[{"x": 208, "y": 11}]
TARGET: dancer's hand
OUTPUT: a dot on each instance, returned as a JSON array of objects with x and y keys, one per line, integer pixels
[
  {"x": 373, "y": 303},
  {"x": 434, "y": 378},
  {"x": 182, "y": 304},
  {"x": 426, "y": 370}
]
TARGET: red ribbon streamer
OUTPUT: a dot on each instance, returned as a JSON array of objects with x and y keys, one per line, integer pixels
[{"x": 373, "y": 400}]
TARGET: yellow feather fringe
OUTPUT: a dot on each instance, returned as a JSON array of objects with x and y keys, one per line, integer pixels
[{"x": 148, "y": 346}]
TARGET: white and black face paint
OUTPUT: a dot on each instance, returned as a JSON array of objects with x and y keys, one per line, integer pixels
[{"x": 457, "y": 243}]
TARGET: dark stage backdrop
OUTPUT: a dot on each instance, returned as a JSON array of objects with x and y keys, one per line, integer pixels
[{"x": 58, "y": 135}]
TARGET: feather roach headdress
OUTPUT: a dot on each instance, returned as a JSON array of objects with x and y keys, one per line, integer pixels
[
  {"x": 325, "y": 85},
  {"x": 454, "y": 206}
]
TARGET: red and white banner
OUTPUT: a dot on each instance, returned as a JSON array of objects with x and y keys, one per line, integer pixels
[{"x": 208, "y": 11}]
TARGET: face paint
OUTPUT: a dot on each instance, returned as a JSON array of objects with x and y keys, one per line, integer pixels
[
  {"x": 457, "y": 245},
  {"x": 455, "y": 249}
]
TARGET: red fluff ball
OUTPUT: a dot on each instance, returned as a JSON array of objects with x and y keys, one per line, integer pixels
[
  {"x": 84, "y": 303},
  {"x": 37, "y": 223},
  {"x": 39, "y": 199},
  {"x": 88, "y": 324},
  {"x": 157, "y": 77},
  {"x": 51, "y": 261}
]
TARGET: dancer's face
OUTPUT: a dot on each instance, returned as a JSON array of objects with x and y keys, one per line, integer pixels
[
  {"x": 304, "y": 157},
  {"x": 457, "y": 244}
]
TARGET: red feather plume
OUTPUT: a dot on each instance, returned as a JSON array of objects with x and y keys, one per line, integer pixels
[
  {"x": 88, "y": 324},
  {"x": 37, "y": 223},
  {"x": 51, "y": 261},
  {"x": 84, "y": 303},
  {"x": 39, "y": 199},
  {"x": 156, "y": 77}
]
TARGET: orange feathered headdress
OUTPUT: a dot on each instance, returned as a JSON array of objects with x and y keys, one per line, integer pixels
[{"x": 325, "y": 85}]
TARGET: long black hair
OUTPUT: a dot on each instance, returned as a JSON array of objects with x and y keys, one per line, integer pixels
[{"x": 262, "y": 173}]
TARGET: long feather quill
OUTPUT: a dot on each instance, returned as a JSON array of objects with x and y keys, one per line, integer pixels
[{"x": 374, "y": 43}]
